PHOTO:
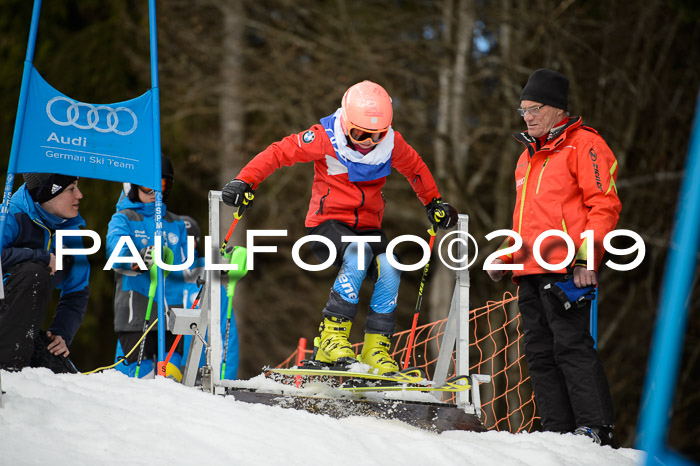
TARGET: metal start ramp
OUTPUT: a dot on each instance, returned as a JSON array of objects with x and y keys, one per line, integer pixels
[{"x": 435, "y": 417}]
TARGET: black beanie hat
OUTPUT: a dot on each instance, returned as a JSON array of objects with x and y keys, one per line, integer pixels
[
  {"x": 192, "y": 227},
  {"x": 548, "y": 87},
  {"x": 45, "y": 186},
  {"x": 166, "y": 172},
  {"x": 166, "y": 167}
]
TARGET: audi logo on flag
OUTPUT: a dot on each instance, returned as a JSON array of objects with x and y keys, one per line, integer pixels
[{"x": 101, "y": 118}]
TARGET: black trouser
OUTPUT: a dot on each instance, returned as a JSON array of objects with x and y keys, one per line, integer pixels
[
  {"x": 22, "y": 312},
  {"x": 571, "y": 388},
  {"x": 335, "y": 230}
]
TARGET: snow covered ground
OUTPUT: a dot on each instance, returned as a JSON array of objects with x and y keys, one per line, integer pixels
[{"x": 108, "y": 418}]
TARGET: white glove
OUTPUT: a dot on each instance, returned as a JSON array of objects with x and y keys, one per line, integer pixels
[{"x": 147, "y": 256}]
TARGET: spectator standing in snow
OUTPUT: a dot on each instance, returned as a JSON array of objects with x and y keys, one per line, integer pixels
[
  {"x": 565, "y": 180},
  {"x": 46, "y": 203},
  {"x": 353, "y": 151},
  {"x": 135, "y": 217}
]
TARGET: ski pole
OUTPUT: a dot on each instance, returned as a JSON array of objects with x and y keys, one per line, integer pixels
[
  {"x": 411, "y": 336},
  {"x": 168, "y": 254},
  {"x": 300, "y": 358},
  {"x": 236, "y": 217},
  {"x": 238, "y": 256},
  {"x": 177, "y": 338}
]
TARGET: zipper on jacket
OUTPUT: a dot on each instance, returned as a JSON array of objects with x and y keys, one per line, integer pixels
[
  {"x": 131, "y": 306},
  {"x": 357, "y": 216},
  {"x": 48, "y": 246},
  {"x": 379, "y": 214},
  {"x": 522, "y": 198},
  {"x": 544, "y": 165},
  {"x": 321, "y": 201}
]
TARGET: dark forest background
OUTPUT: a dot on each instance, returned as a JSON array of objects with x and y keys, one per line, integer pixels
[{"x": 236, "y": 76}]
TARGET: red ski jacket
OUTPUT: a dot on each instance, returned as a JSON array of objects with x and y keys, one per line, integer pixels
[
  {"x": 567, "y": 184},
  {"x": 334, "y": 197}
]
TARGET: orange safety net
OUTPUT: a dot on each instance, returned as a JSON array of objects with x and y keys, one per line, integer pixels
[{"x": 495, "y": 349}]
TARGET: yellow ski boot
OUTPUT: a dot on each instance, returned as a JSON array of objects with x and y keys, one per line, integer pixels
[
  {"x": 334, "y": 346},
  {"x": 375, "y": 353}
]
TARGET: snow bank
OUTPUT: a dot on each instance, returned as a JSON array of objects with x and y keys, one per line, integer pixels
[{"x": 109, "y": 418}]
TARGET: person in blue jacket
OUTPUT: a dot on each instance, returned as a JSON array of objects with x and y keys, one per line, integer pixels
[
  {"x": 190, "y": 290},
  {"x": 135, "y": 217},
  {"x": 43, "y": 205}
]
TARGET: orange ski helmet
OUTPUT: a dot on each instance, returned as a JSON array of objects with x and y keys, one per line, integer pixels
[{"x": 366, "y": 106}]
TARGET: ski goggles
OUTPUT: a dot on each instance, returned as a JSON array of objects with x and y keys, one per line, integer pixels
[
  {"x": 360, "y": 135},
  {"x": 166, "y": 185}
]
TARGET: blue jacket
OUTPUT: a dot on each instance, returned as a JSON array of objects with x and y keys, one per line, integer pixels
[
  {"x": 30, "y": 235},
  {"x": 137, "y": 220}
]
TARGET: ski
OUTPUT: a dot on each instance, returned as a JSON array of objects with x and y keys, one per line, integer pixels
[
  {"x": 408, "y": 380},
  {"x": 450, "y": 385},
  {"x": 410, "y": 376}
]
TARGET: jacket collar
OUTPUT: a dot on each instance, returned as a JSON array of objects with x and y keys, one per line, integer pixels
[
  {"x": 555, "y": 137},
  {"x": 147, "y": 210}
]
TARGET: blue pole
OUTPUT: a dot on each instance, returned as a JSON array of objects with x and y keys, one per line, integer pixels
[
  {"x": 19, "y": 120},
  {"x": 160, "y": 293},
  {"x": 670, "y": 326},
  {"x": 31, "y": 44}
]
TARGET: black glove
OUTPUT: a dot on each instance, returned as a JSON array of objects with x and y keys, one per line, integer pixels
[
  {"x": 441, "y": 214},
  {"x": 237, "y": 193}
]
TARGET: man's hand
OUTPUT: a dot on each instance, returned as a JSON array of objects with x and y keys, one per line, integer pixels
[
  {"x": 237, "y": 193},
  {"x": 58, "y": 346},
  {"x": 52, "y": 263},
  {"x": 584, "y": 277},
  {"x": 496, "y": 275}
]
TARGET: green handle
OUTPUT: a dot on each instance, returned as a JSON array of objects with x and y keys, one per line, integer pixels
[
  {"x": 239, "y": 256},
  {"x": 148, "y": 309},
  {"x": 168, "y": 258}
]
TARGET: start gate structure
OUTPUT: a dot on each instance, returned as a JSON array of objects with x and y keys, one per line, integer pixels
[{"x": 483, "y": 343}]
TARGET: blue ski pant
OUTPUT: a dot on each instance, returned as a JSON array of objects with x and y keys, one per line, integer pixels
[{"x": 356, "y": 263}]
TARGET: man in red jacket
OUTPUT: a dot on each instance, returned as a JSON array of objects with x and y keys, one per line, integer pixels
[
  {"x": 565, "y": 181},
  {"x": 353, "y": 151}
]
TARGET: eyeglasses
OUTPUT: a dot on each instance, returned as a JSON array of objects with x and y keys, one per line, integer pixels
[
  {"x": 360, "y": 135},
  {"x": 534, "y": 111},
  {"x": 166, "y": 185}
]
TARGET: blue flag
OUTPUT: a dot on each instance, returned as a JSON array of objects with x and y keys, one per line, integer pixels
[{"x": 104, "y": 141}]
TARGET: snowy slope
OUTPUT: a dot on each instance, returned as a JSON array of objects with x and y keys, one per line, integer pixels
[{"x": 110, "y": 419}]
